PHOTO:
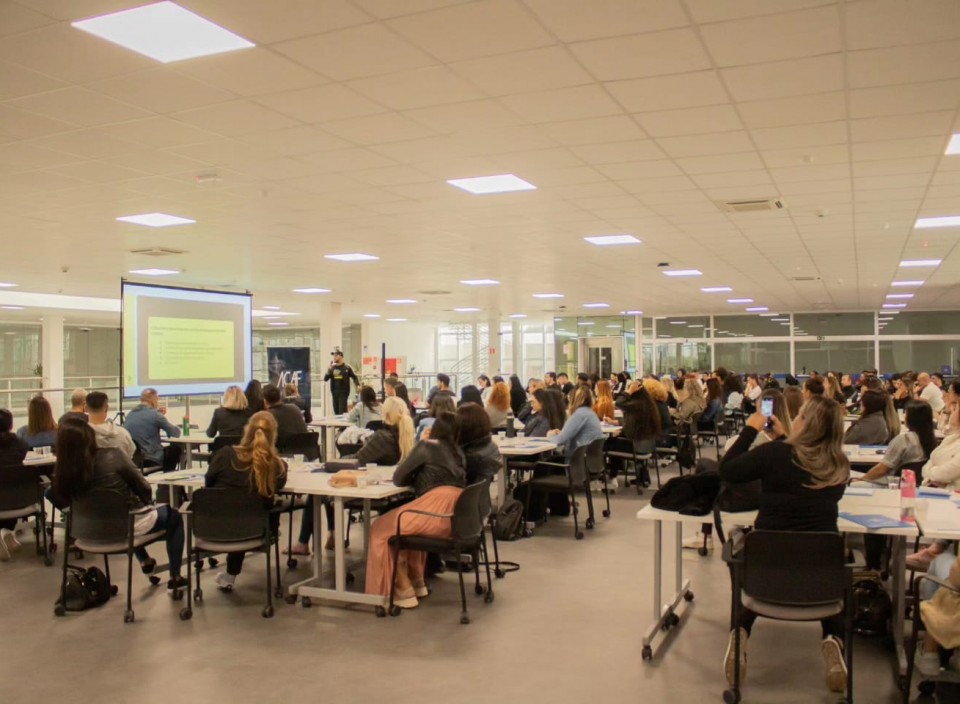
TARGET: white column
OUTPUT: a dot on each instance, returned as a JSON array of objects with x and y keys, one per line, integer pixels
[
  {"x": 495, "y": 353},
  {"x": 331, "y": 337},
  {"x": 51, "y": 357}
]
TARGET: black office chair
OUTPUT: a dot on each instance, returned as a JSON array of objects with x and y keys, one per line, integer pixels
[
  {"x": 102, "y": 523},
  {"x": 575, "y": 477},
  {"x": 145, "y": 466},
  {"x": 21, "y": 496},
  {"x": 596, "y": 466},
  {"x": 374, "y": 425},
  {"x": 467, "y": 538},
  {"x": 223, "y": 521},
  {"x": 791, "y": 576},
  {"x": 640, "y": 453},
  {"x": 306, "y": 444},
  {"x": 925, "y": 686}
]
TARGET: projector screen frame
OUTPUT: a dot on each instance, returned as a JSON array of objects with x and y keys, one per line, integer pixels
[{"x": 248, "y": 355}]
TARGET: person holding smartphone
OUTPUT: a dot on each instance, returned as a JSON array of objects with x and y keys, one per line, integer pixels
[{"x": 339, "y": 375}]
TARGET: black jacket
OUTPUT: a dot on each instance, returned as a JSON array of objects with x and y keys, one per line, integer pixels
[
  {"x": 300, "y": 403},
  {"x": 228, "y": 421},
  {"x": 12, "y": 450},
  {"x": 537, "y": 426},
  {"x": 383, "y": 447},
  {"x": 226, "y": 471},
  {"x": 430, "y": 464},
  {"x": 114, "y": 471},
  {"x": 339, "y": 376},
  {"x": 631, "y": 405},
  {"x": 289, "y": 420},
  {"x": 482, "y": 460}
]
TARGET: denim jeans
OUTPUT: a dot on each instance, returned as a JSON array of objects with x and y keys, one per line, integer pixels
[{"x": 169, "y": 521}]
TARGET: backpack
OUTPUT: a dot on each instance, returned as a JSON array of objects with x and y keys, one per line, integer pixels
[
  {"x": 86, "y": 588},
  {"x": 508, "y": 525},
  {"x": 691, "y": 494},
  {"x": 872, "y": 606},
  {"x": 686, "y": 454}
]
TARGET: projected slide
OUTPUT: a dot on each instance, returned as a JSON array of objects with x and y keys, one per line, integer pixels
[{"x": 184, "y": 341}]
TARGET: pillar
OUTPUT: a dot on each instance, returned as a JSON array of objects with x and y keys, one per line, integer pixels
[
  {"x": 51, "y": 357},
  {"x": 331, "y": 337},
  {"x": 494, "y": 352}
]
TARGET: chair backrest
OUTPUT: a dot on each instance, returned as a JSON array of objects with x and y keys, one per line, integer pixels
[
  {"x": 101, "y": 515},
  {"x": 374, "y": 425},
  {"x": 793, "y": 568},
  {"x": 644, "y": 446},
  {"x": 917, "y": 468},
  {"x": 467, "y": 520},
  {"x": 306, "y": 444},
  {"x": 594, "y": 457},
  {"x": 222, "y": 441},
  {"x": 227, "y": 515},
  {"x": 578, "y": 465},
  {"x": 19, "y": 487}
]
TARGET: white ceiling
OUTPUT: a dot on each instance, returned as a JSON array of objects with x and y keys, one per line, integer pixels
[{"x": 337, "y": 133}]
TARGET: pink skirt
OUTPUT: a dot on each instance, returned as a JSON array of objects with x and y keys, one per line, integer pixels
[{"x": 379, "y": 555}]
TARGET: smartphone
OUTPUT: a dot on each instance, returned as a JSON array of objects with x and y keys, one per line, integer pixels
[{"x": 766, "y": 408}]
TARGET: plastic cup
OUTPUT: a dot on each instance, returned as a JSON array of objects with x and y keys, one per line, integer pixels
[
  {"x": 893, "y": 482},
  {"x": 362, "y": 482},
  {"x": 520, "y": 434},
  {"x": 502, "y": 435},
  {"x": 298, "y": 459}
]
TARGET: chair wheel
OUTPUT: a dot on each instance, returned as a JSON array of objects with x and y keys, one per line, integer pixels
[
  {"x": 606, "y": 513},
  {"x": 673, "y": 620},
  {"x": 198, "y": 565},
  {"x": 59, "y": 610},
  {"x": 927, "y": 688},
  {"x": 186, "y": 614},
  {"x": 305, "y": 602},
  {"x": 688, "y": 596},
  {"x": 177, "y": 595},
  {"x": 702, "y": 551},
  {"x": 154, "y": 580},
  {"x": 395, "y": 610},
  {"x": 128, "y": 616},
  {"x": 52, "y": 548},
  {"x": 292, "y": 563},
  {"x": 464, "y": 618},
  {"x": 198, "y": 596},
  {"x": 47, "y": 560},
  {"x": 278, "y": 593},
  {"x": 380, "y": 612},
  {"x": 500, "y": 574},
  {"x": 213, "y": 562},
  {"x": 267, "y": 612},
  {"x": 114, "y": 589},
  {"x": 647, "y": 653},
  {"x": 590, "y": 524},
  {"x": 290, "y": 598},
  {"x": 579, "y": 535},
  {"x": 488, "y": 598},
  {"x": 479, "y": 589},
  {"x": 731, "y": 696}
]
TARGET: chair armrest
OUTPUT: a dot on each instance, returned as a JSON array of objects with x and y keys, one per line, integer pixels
[
  {"x": 562, "y": 465},
  {"x": 420, "y": 513},
  {"x": 185, "y": 507},
  {"x": 729, "y": 556},
  {"x": 142, "y": 509},
  {"x": 940, "y": 582}
]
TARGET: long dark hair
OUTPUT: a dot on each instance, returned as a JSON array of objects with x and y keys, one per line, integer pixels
[
  {"x": 873, "y": 402},
  {"x": 643, "y": 415},
  {"x": 6, "y": 427},
  {"x": 714, "y": 390},
  {"x": 76, "y": 453},
  {"x": 919, "y": 417},
  {"x": 732, "y": 384},
  {"x": 551, "y": 406},
  {"x": 446, "y": 431},
  {"x": 474, "y": 423},
  {"x": 518, "y": 396},
  {"x": 368, "y": 397},
  {"x": 254, "y": 394},
  {"x": 470, "y": 394},
  {"x": 401, "y": 391}
]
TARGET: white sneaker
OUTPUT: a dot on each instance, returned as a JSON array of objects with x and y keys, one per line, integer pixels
[
  {"x": 613, "y": 485},
  {"x": 927, "y": 664},
  {"x": 9, "y": 539},
  {"x": 596, "y": 486},
  {"x": 729, "y": 661},
  {"x": 836, "y": 673},
  {"x": 696, "y": 542},
  {"x": 225, "y": 581}
]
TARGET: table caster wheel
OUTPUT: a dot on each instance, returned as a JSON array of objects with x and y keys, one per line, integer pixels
[
  {"x": 380, "y": 612},
  {"x": 499, "y": 573},
  {"x": 278, "y": 593},
  {"x": 590, "y": 524},
  {"x": 927, "y": 688},
  {"x": 290, "y": 598},
  {"x": 488, "y": 598},
  {"x": 198, "y": 596},
  {"x": 395, "y": 610},
  {"x": 731, "y": 696},
  {"x": 176, "y": 594},
  {"x": 646, "y": 653},
  {"x": 213, "y": 562},
  {"x": 606, "y": 513},
  {"x": 292, "y": 563},
  {"x": 186, "y": 614},
  {"x": 52, "y": 548},
  {"x": 268, "y": 612},
  {"x": 129, "y": 616},
  {"x": 114, "y": 590},
  {"x": 464, "y": 618},
  {"x": 305, "y": 602},
  {"x": 47, "y": 560},
  {"x": 673, "y": 620},
  {"x": 154, "y": 580},
  {"x": 579, "y": 535},
  {"x": 688, "y": 596},
  {"x": 59, "y": 610},
  {"x": 479, "y": 589},
  {"x": 702, "y": 551}
]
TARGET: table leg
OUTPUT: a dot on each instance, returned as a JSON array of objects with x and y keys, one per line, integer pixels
[
  {"x": 188, "y": 455},
  {"x": 366, "y": 529},
  {"x": 898, "y": 559},
  {"x": 339, "y": 565},
  {"x": 502, "y": 482},
  {"x": 664, "y": 615}
]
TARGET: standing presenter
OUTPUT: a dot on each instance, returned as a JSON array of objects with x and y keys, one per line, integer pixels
[{"x": 339, "y": 375}]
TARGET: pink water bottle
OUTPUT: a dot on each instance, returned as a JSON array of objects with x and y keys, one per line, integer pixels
[{"x": 908, "y": 495}]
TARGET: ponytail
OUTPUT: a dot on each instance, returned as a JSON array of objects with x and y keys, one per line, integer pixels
[
  {"x": 257, "y": 452},
  {"x": 407, "y": 436}
]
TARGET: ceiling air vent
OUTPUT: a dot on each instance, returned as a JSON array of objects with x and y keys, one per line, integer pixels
[
  {"x": 805, "y": 278},
  {"x": 751, "y": 206},
  {"x": 157, "y": 251}
]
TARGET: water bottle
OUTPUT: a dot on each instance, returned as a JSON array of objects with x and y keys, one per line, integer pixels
[
  {"x": 908, "y": 495},
  {"x": 186, "y": 426}
]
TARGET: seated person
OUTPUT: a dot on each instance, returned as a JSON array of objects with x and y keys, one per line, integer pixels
[
  {"x": 253, "y": 465},
  {"x": 442, "y": 403},
  {"x": 78, "y": 406},
  {"x": 482, "y": 458},
  {"x": 525, "y": 409},
  {"x": 713, "y": 411},
  {"x": 691, "y": 401},
  {"x": 12, "y": 452},
  {"x": 871, "y": 428},
  {"x": 641, "y": 422},
  {"x": 546, "y": 413},
  {"x": 144, "y": 424},
  {"x": 471, "y": 394},
  {"x": 581, "y": 426},
  {"x": 801, "y": 482},
  {"x": 41, "y": 429},
  {"x": 659, "y": 395},
  {"x": 498, "y": 405},
  {"x": 232, "y": 415},
  {"x": 915, "y": 445},
  {"x": 733, "y": 389},
  {"x": 442, "y": 387},
  {"x": 292, "y": 396},
  {"x": 435, "y": 471},
  {"x": 368, "y": 409},
  {"x": 603, "y": 405},
  {"x": 940, "y": 612},
  {"x": 289, "y": 418},
  {"x": 82, "y": 466},
  {"x": 108, "y": 433}
]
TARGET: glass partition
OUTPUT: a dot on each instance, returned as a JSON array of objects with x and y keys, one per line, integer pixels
[
  {"x": 920, "y": 323},
  {"x": 730, "y": 326},
  {"x": 920, "y": 355},
  {"x": 686, "y": 355},
  {"x": 753, "y": 357},
  {"x": 845, "y": 357},
  {"x": 685, "y": 327},
  {"x": 823, "y": 324}
]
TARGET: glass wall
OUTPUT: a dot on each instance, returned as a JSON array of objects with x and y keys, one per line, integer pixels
[
  {"x": 505, "y": 347},
  {"x": 744, "y": 357},
  {"x": 538, "y": 343},
  {"x": 687, "y": 355},
  {"x": 850, "y": 357},
  {"x": 839, "y": 324},
  {"x": 920, "y": 355},
  {"x": 730, "y": 326},
  {"x": 685, "y": 327},
  {"x": 920, "y": 323}
]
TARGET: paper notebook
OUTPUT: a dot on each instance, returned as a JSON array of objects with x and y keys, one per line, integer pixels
[
  {"x": 874, "y": 521},
  {"x": 858, "y": 491}
]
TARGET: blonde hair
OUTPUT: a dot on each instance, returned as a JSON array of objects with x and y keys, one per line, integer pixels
[
  {"x": 655, "y": 389},
  {"x": 290, "y": 390},
  {"x": 500, "y": 396},
  {"x": 257, "y": 452},
  {"x": 603, "y": 406},
  {"x": 234, "y": 399},
  {"x": 692, "y": 390},
  {"x": 396, "y": 413},
  {"x": 818, "y": 446},
  {"x": 581, "y": 396},
  {"x": 891, "y": 416},
  {"x": 667, "y": 382}
]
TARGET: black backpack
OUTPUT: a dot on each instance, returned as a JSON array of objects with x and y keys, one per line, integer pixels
[
  {"x": 691, "y": 494},
  {"x": 686, "y": 454},
  {"x": 872, "y": 606},
  {"x": 86, "y": 588},
  {"x": 508, "y": 524}
]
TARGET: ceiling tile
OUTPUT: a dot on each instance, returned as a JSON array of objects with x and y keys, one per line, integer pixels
[
  {"x": 739, "y": 178},
  {"x": 357, "y": 52},
  {"x": 390, "y": 8},
  {"x": 834, "y": 154},
  {"x": 898, "y": 148},
  {"x": 15, "y": 18},
  {"x": 879, "y": 23},
  {"x": 563, "y": 104},
  {"x": 463, "y": 117},
  {"x": 744, "y": 161},
  {"x": 614, "y": 152},
  {"x": 900, "y": 126},
  {"x": 96, "y": 172},
  {"x": 421, "y": 88},
  {"x": 319, "y": 104},
  {"x": 718, "y": 10},
  {"x": 377, "y": 129},
  {"x": 83, "y": 106},
  {"x": 903, "y": 64},
  {"x": 277, "y": 20},
  {"x": 161, "y": 91},
  {"x": 660, "y": 184},
  {"x": 251, "y": 72},
  {"x": 669, "y": 92},
  {"x": 821, "y": 134},
  {"x": 573, "y": 20},
  {"x": 782, "y": 112},
  {"x": 16, "y": 81},
  {"x": 594, "y": 130},
  {"x": 22, "y": 156},
  {"x": 235, "y": 118},
  {"x": 918, "y": 165},
  {"x": 718, "y": 118},
  {"x": 793, "y": 35},
  {"x": 641, "y": 55},
  {"x": 20, "y": 124},
  {"x": 473, "y": 30},
  {"x": 158, "y": 132},
  {"x": 640, "y": 170},
  {"x": 706, "y": 144},
  {"x": 524, "y": 71},
  {"x": 781, "y": 79},
  {"x": 818, "y": 172},
  {"x": 905, "y": 99}
]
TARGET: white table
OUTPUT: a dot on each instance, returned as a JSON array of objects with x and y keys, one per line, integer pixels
[
  {"x": 189, "y": 442},
  {"x": 317, "y": 485},
  {"x": 864, "y": 454},
  {"x": 34, "y": 460},
  {"x": 328, "y": 437},
  {"x": 517, "y": 447},
  {"x": 881, "y": 501}
]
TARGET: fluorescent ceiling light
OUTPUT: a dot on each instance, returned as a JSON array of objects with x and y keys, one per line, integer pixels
[
  {"x": 607, "y": 240},
  {"x": 894, "y": 305},
  {"x": 683, "y": 272},
  {"x": 57, "y": 301},
  {"x": 482, "y": 185},
  {"x": 615, "y": 327},
  {"x": 548, "y": 295},
  {"x": 899, "y": 295},
  {"x": 920, "y": 262},
  {"x": 739, "y": 300},
  {"x": 694, "y": 326},
  {"x": 890, "y": 312},
  {"x": 467, "y": 310},
  {"x": 271, "y": 314},
  {"x": 906, "y": 283},
  {"x": 717, "y": 289},
  {"x": 271, "y": 307},
  {"x": 156, "y": 220},
  {"x": 396, "y": 320},
  {"x": 587, "y": 322},
  {"x": 757, "y": 309},
  {"x": 780, "y": 320},
  {"x": 154, "y": 272},
  {"x": 270, "y": 317},
  {"x": 278, "y": 325},
  {"x": 947, "y": 221},
  {"x": 954, "y": 146},
  {"x": 164, "y": 31},
  {"x": 371, "y": 315},
  {"x": 12, "y": 307},
  {"x": 678, "y": 322},
  {"x": 518, "y": 315},
  {"x": 401, "y": 300},
  {"x": 480, "y": 282},
  {"x": 352, "y": 257},
  {"x": 632, "y": 312},
  {"x": 311, "y": 290},
  {"x": 4, "y": 284},
  {"x": 596, "y": 305},
  {"x": 768, "y": 315}
]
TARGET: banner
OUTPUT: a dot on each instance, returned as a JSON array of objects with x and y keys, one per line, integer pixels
[{"x": 290, "y": 365}]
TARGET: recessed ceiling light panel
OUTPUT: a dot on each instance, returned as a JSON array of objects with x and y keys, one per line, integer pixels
[
  {"x": 608, "y": 240},
  {"x": 311, "y": 290},
  {"x": 920, "y": 262},
  {"x": 6, "y": 284},
  {"x": 683, "y": 272},
  {"x": 163, "y": 31},
  {"x": 757, "y": 309},
  {"x": 371, "y": 315},
  {"x": 907, "y": 283},
  {"x": 467, "y": 310},
  {"x": 899, "y": 295},
  {"x": 154, "y": 272},
  {"x": 949, "y": 221},
  {"x": 548, "y": 295},
  {"x": 596, "y": 305},
  {"x": 396, "y": 320},
  {"x": 352, "y": 257},
  {"x": 484, "y": 185},
  {"x": 716, "y": 289},
  {"x": 480, "y": 282},
  {"x": 954, "y": 146},
  {"x": 894, "y": 305},
  {"x": 156, "y": 220},
  {"x": 518, "y": 315},
  {"x": 400, "y": 300},
  {"x": 739, "y": 300}
]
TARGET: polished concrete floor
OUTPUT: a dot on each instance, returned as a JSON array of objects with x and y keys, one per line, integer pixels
[{"x": 565, "y": 628}]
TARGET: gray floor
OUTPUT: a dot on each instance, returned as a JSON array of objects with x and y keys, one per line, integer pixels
[{"x": 565, "y": 628}]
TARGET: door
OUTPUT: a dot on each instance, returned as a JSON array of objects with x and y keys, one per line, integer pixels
[{"x": 603, "y": 355}]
